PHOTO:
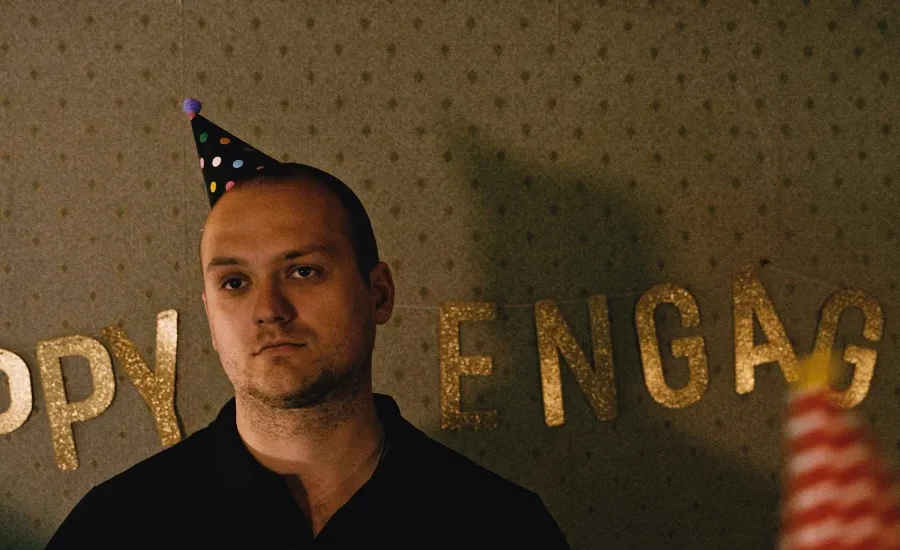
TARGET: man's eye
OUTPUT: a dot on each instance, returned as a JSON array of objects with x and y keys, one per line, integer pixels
[
  {"x": 228, "y": 286},
  {"x": 304, "y": 271},
  {"x": 234, "y": 283}
]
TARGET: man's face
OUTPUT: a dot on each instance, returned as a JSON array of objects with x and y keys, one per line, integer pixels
[{"x": 278, "y": 264}]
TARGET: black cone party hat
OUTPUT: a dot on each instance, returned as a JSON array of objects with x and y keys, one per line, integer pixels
[{"x": 224, "y": 158}]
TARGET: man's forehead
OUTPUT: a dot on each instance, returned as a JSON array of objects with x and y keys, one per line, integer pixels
[
  {"x": 275, "y": 256},
  {"x": 266, "y": 203},
  {"x": 270, "y": 219},
  {"x": 277, "y": 236},
  {"x": 284, "y": 194}
]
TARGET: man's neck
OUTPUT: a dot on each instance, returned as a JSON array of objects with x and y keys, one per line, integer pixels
[{"x": 328, "y": 449}]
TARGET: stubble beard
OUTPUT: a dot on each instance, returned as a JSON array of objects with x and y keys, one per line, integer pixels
[{"x": 331, "y": 383}]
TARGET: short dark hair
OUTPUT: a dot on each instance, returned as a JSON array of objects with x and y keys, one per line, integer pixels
[{"x": 361, "y": 234}]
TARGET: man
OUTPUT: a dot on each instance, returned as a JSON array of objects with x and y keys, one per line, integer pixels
[{"x": 305, "y": 455}]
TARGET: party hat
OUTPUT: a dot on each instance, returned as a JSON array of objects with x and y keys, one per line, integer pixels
[
  {"x": 838, "y": 493},
  {"x": 224, "y": 158}
]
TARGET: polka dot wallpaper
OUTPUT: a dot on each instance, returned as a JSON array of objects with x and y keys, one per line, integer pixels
[{"x": 507, "y": 151}]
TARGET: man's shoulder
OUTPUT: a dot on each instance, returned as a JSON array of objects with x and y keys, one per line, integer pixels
[
  {"x": 446, "y": 468},
  {"x": 161, "y": 471},
  {"x": 499, "y": 511},
  {"x": 115, "y": 506}
]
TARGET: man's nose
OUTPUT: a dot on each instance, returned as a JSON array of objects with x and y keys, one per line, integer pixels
[{"x": 272, "y": 304}]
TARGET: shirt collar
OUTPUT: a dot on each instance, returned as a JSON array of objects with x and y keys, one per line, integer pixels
[{"x": 236, "y": 466}]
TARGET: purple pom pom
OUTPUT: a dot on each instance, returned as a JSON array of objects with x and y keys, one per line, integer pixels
[{"x": 191, "y": 106}]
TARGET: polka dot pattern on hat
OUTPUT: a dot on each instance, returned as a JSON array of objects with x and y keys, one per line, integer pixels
[{"x": 224, "y": 157}]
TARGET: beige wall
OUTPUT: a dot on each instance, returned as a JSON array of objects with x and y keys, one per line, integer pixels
[{"x": 507, "y": 151}]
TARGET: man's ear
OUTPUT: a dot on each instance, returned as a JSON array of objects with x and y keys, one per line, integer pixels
[
  {"x": 211, "y": 333},
  {"x": 382, "y": 285}
]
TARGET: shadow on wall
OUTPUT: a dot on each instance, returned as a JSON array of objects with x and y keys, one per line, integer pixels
[
  {"x": 16, "y": 532},
  {"x": 548, "y": 231}
]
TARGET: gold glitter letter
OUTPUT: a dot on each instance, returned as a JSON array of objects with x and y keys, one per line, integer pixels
[
  {"x": 691, "y": 347},
  {"x": 156, "y": 387},
  {"x": 62, "y": 413},
  {"x": 453, "y": 365},
  {"x": 20, "y": 396},
  {"x": 751, "y": 298},
  {"x": 597, "y": 383},
  {"x": 863, "y": 359}
]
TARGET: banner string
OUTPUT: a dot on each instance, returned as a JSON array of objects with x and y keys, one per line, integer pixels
[
  {"x": 765, "y": 267},
  {"x": 828, "y": 284}
]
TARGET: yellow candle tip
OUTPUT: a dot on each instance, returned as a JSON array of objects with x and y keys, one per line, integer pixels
[{"x": 815, "y": 372}]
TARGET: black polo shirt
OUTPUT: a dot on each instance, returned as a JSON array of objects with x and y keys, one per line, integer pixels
[{"x": 209, "y": 492}]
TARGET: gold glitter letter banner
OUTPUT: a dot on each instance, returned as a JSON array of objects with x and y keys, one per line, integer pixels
[
  {"x": 62, "y": 413},
  {"x": 20, "y": 396},
  {"x": 863, "y": 359},
  {"x": 598, "y": 383},
  {"x": 750, "y": 297},
  {"x": 156, "y": 387},
  {"x": 453, "y": 365},
  {"x": 691, "y": 347}
]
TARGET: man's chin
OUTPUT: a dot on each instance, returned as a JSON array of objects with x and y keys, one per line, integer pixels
[
  {"x": 297, "y": 400},
  {"x": 302, "y": 395}
]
